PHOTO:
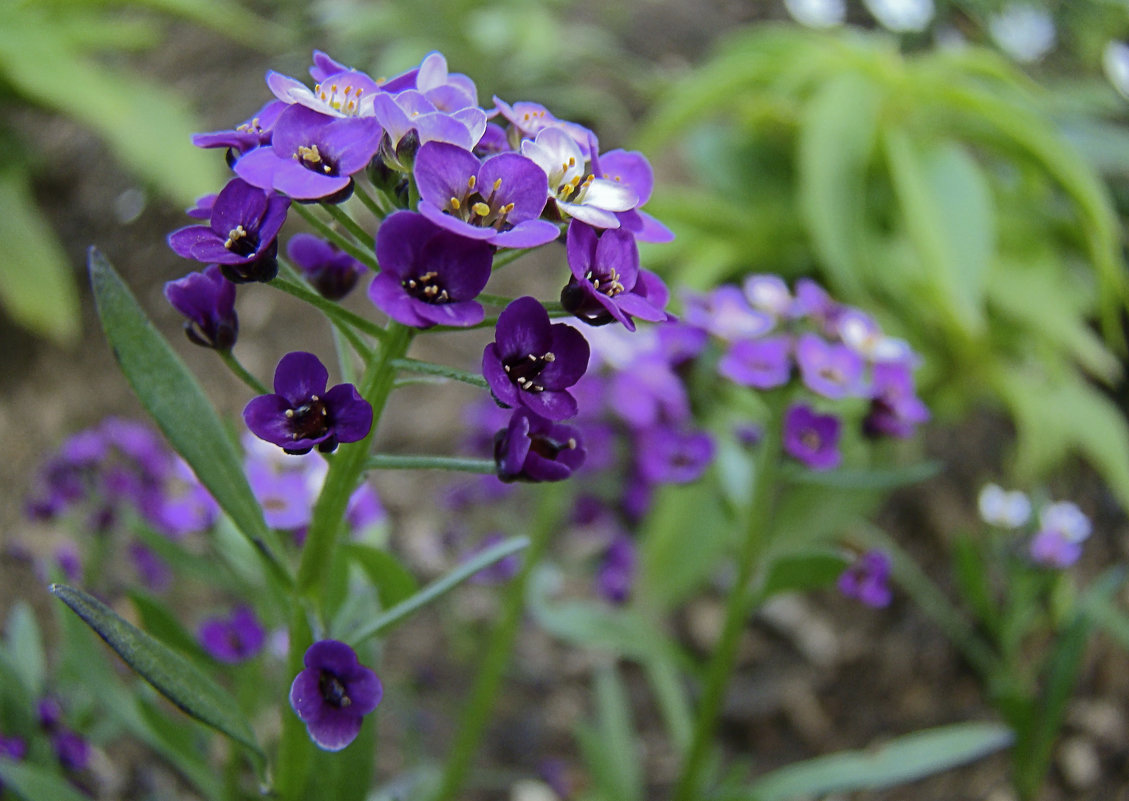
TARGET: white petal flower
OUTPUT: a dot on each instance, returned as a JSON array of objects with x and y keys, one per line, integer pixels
[
  {"x": 1024, "y": 32},
  {"x": 1115, "y": 61},
  {"x": 1067, "y": 519},
  {"x": 817, "y": 13},
  {"x": 577, "y": 192},
  {"x": 1004, "y": 509},
  {"x": 901, "y": 16}
]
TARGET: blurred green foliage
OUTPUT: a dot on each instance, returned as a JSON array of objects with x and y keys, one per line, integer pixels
[
  {"x": 49, "y": 58},
  {"x": 934, "y": 191}
]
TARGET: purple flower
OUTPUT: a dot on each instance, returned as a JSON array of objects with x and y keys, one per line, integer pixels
[
  {"x": 812, "y": 438},
  {"x": 532, "y": 448},
  {"x": 607, "y": 283},
  {"x": 440, "y": 108},
  {"x": 1052, "y": 548},
  {"x": 364, "y": 509},
  {"x": 528, "y": 119},
  {"x": 532, "y": 362},
  {"x": 232, "y": 639},
  {"x": 311, "y": 155},
  {"x": 207, "y": 299},
  {"x": 646, "y": 391},
  {"x": 726, "y": 314},
  {"x": 153, "y": 571},
  {"x": 497, "y": 200},
  {"x": 895, "y": 409},
  {"x": 428, "y": 275},
  {"x": 616, "y": 572},
  {"x": 669, "y": 455},
  {"x": 769, "y": 294},
  {"x": 867, "y": 580},
  {"x": 301, "y": 414},
  {"x": 631, "y": 169},
  {"x": 245, "y": 137},
  {"x": 284, "y": 495},
  {"x": 72, "y": 750},
  {"x": 241, "y": 235},
  {"x": 761, "y": 363},
  {"x": 345, "y": 93},
  {"x": 333, "y": 273},
  {"x": 12, "y": 747},
  {"x": 577, "y": 192},
  {"x": 333, "y": 694},
  {"x": 181, "y": 505},
  {"x": 829, "y": 369}
]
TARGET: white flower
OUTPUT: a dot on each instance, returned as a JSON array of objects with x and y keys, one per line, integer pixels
[
  {"x": 577, "y": 192},
  {"x": 1024, "y": 32},
  {"x": 1004, "y": 509},
  {"x": 817, "y": 13},
  {"x": 1115, "y": 61},
  {"x": 901, "y": 16},
  {"x": 1067, "y": 519}
]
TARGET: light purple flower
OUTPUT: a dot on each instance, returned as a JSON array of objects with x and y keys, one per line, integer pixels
[
  {"x": 332, "y": 272},
  {"x": 207, "y": 299},
  {"x": 812, "y": 438},
  {"x": 647, "y": 391},
  {"x": 245, "y": 137},
  {"x": 532, "y": 362},
  {"x": 769, "y": 294},
  {"x": 153, "y": 571},
  {"x": 867, "y": 580},
  {"x": 333, "y": 694},
  {"x": 669, "y": 455},
  {"x": 577, "y": 192},
  {"x": 607, "y": 283},
  {"x": 497, "y": 200},
  {"x": 345, "y": 93},
  {"x": 527, "y": 120},
  {"x": 1066, "y": 517},
  {"x": 312, "y": 156},
  {"x": 241, "y": 235},
  {"x": 1052, "y": 548},
  {"x": 301, "y": 414},
  {"x": 829, "y": 369},
  {"x": 631, "y": 169},
  {"x": 428, "y": 274},
  {"x": 895, "y": 408},
  {"x": 232, "y": 639},
  {"x": 762, "y": 363},
  {"x": 726, "y": 314},
  {"x": 534, "y": 449}
]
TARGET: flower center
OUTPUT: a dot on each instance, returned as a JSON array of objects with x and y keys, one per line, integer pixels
[
  {"x": 333, "y": 691},
  {"x": 523, "y": 371},
  {"x": 240, "y": 240},
  {"x": 343, "y": 98},
  {"x": 810, "y": 439},
  {"x": 483, "y": 211},
  {"x": 312, "y": 159},
  {"x": 549, "y": 448},
  {"x": 574, "y": 189},
  {"x": 427, "y": 288},
  {"x": 609, "y": 284},
  {"x": 308, "y": 421}
]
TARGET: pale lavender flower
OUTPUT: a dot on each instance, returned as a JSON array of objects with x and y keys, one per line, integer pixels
[
  {"x": 1001, "y": 508},
  {"x": 812, "y": 438}
]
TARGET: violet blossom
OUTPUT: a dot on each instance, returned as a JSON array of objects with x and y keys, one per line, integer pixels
[
  {"x": 241, "y": 235},
  {"x": 830, "y": 369},
  {"x": 534, "y": 449},
  {"x": 532, "y": 362},
  {"x": 207, "y": 299},
  {"x": 895, "y": 409},
  {"x": 867, "y": 580},
  {"x": 607, "y": 282},
  {"x": 498, "y": 200},
  {"x": 760, "y": 363},
  {"x": 428, "y": 274},
  {"x": 332, "y": 272},
  {"x": 577, "y": 192},
  {"x": 333, "y": 694},
  {"x": 526, "y": 120},
  {"x": 812, "y": 438},
  {"x": 631, "y": 169},
  {"x": 616, "y": 572},
  {"x": 245, "y": 137},
  {"x": 232, "y": 639},
  {"x": 725, "y": 313},
  {"x": 673, "y": 455},
  {"x": 301, "y": 414}
]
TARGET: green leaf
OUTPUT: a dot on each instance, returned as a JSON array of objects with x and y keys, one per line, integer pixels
[
  {"x": 974, "y": 583},
  {"x": 392, "y": 581},
  {"x": 905, "y": 759},
  {"x": 33, "y": 783},
  {"x": 24, "y": 648},
  {"x": 170, "y": 673},
  {"x": 948, "y": 212},
  {"x": 171, "y": 394},
  {"x": 609, "y": 746},
  {"x": 863, "y": 479},
  {"x": 801, "y": 572},
  {"x": 37, "y": 288},
  {"x": 159, "y": 621},
  {"x": 838, "y": 134}
]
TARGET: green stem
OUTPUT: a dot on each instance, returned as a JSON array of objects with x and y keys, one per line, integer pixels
[
  {"x": 360, "y": 254},
  {"x": 390, "y": 461},
  {"x": 742, "y": 601},
  {"x": 348, "y": 465},
  {"x": 488, "y": 680},
  {"x": 509, "y": 257},
  {"x": 242, "y": 373},
  {"x": 369, "y": 201},
  {"x": 333, "y": 310},
  {"x": 349, "y": 224},
  {"x": 429, "y": 368}
]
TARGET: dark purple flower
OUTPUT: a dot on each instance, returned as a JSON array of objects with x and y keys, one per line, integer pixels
[
  {"x": 868, "y": 579},
  {"x": 207, "y": 299},
  {"x": 49, "y": 712},
  {"x": 668, "y": 455},
  {"x": 12, "y": 747},
  {"x": 606, "y": 280},
  {"x": 245, "y": 137},
  {"x": 616, "y": 572},
  {"x": 532, "y": 448},
  {"x": 311, "y": 155},
  {"x": 153, "y": 571},
  {"x": 428, "y": 275},
  {"x": 498, "y": 200},
  {"x": 812, "y": 438},
  {"x": 301, "y": 414},
  {"x": 72, "y": 750},
  {"x": 232, "y": 639},
  {"x": 332, "y": 272},
  {"x": 202, "y": 209},
  {"x": 241, "y": 236},
  {"x": 333, "y": 694},
  {"x": 829, "y": 369},
  {"x": 69, "y": 562},
  {"x": 761, "y": 363},
  {"x": 895, "y": 409},
  {"x": 532, "y": 362}
]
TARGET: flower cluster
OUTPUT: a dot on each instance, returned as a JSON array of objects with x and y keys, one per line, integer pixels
[{"x": 1053, "y": 536}]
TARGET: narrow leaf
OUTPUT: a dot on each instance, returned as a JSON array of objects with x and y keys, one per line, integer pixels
[
  {"x": 25, "y": 648},
  {"x": 905, "y": 759},
  {"x": 802, "y": 572},
  {"x": 174, "y": 398},
  {"x": 170, "y": 673},
  {"x": 33, "y": 783},
  {"x": 863, "y": 479},
  {"x": 392, "y": 581}
]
